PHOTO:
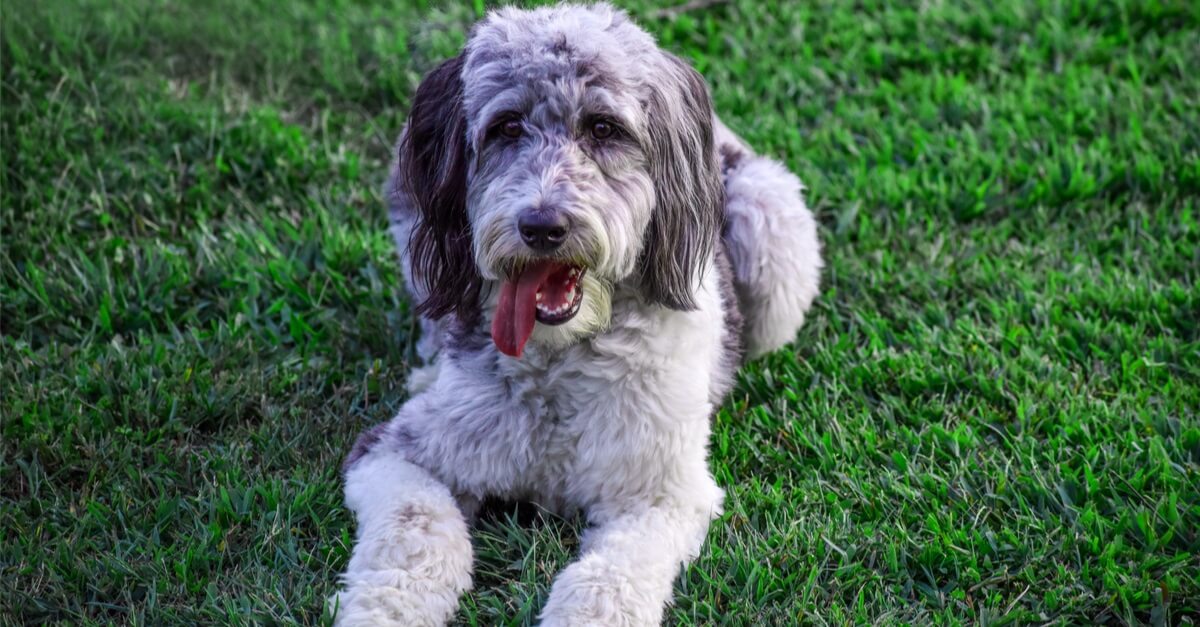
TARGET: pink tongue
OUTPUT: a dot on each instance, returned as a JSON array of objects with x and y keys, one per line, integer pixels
[{"x": 514, "y": 319}]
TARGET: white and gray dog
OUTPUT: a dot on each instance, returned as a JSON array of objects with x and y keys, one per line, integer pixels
[{"x": 593, "y": 252}]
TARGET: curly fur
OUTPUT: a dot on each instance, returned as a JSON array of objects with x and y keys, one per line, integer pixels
[{"x": 697, "y": 250}]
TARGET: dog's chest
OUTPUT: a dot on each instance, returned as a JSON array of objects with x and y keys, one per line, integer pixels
[
  {"x": 608, "y": 415},
  {"x": 572, "y": 397},
  {"x": 564, "y": 394}
]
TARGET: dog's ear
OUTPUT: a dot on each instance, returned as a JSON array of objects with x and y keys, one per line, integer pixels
[
  {"x": 689, "y": 195},
  {"x": 433, "y": 172}
]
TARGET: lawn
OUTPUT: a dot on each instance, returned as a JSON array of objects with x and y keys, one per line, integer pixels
[{"x": 993, "y": 414}]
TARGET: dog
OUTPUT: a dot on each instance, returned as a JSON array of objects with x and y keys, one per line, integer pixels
[{"x": 592, "y": 253}]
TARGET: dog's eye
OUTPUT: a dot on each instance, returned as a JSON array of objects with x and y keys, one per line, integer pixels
[
  {"x": 602, "y": 129},
  {"x": 511, "y": 128}
]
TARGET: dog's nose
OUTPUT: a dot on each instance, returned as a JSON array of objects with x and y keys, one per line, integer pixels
[{"x": 543, "y": 230}]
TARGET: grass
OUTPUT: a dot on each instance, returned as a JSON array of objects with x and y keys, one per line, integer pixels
[{"x": 993, "y": 415}]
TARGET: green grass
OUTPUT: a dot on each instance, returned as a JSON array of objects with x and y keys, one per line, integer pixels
[{"x": 992, "y": 416}]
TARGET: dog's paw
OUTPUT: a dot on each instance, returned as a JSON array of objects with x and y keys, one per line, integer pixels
[
  {"x": 409, "y": 567},
  {"x": 593, "y": 593},
  {"x": 392, "y": 597}
]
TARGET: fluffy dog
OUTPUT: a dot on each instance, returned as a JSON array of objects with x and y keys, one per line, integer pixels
[{"x": 593, "y": 253}]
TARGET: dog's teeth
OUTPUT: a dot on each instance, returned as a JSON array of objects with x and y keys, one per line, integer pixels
[{"x": 539, "y": 297}]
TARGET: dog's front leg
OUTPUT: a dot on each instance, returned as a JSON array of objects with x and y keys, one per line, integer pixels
[
  {"x": 412, "y": 556},
  {"x": 625, "y": 572}
]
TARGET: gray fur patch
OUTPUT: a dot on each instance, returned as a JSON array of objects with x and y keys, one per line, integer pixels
[
  {"x": 732, "y": 350},
  {"x": 366, "y": 441},
  {"x": 731, "y": 157}
]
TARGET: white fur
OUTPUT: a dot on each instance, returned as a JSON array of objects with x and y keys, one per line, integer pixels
[
  {"x": 607, "y": 415},
  {"x": 412, "y": 557},
  {"x": 772, "y": 241},
  {"x": 616, "y": 426}
]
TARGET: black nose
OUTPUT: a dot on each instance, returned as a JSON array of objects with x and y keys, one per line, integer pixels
[{"x": 542, "y": 229}]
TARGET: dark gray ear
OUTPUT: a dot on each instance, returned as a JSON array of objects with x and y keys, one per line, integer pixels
[
  {"x": 433, "y": 172},
  {"x": 689, "y": 196}
]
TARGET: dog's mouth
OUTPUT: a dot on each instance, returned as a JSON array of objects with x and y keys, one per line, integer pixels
[{"x": 545, "y": 291}]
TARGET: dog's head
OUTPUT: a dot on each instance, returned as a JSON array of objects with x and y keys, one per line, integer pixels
[{"x": 562, "y": 153}]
